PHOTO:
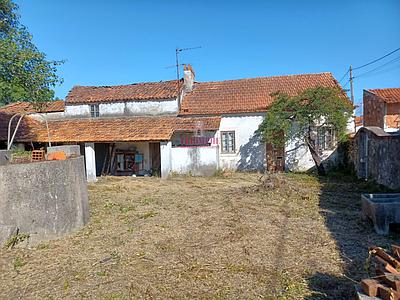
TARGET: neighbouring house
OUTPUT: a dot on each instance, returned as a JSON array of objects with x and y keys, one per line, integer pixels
[
  {"x": 382, "y": 108},
  {"x": 176, "y": 126}
]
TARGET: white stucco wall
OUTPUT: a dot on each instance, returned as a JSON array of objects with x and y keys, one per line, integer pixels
[
  {"x": 82, "y": 110},
  {"x": 250, "y": 152},
  {"x": 201, "y": 160},
  {"x": 90, "y": 162},
  {"x": 165, "y": 152},
  {"x": 48, "y": 116},
  {"x": 131, "y": 108}
]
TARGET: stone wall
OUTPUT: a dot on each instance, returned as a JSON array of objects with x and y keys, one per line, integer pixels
[
  {"x": 45, "y": 199},
  {"x": 376, "y": 156}
]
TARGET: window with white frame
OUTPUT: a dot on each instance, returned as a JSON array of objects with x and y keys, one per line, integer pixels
[
  {"x": 94, "y": 110},
  {"x": 228, "y": 142},
  {"x": 326, "y": 139}
]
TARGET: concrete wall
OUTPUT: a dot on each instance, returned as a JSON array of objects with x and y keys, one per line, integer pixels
[
  {"x": 130, "y": 108},
  {"x": 375, "y": 156},
  {"x": 201, "y": 160},
  {"x": 90, "y": 162},
  {"x": 250, "y": 151},
  {"x": 44, "y": 199},
  {"x": 166, "y": 163}
]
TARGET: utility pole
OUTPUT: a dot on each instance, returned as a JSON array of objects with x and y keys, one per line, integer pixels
[
  {"x": 351, "y": 85},
  {"x": 352, "y": 97}
]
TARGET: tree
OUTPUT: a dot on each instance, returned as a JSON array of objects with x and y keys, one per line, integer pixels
[
  {"x": 299, "y": 117},
  {"x": 25, "y": 73}
]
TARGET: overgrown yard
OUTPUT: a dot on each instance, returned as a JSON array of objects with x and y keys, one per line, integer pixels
[{"x": 295, "y": 237}]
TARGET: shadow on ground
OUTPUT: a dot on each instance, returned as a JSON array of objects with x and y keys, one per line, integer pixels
[{"x": 353, "y": 236}]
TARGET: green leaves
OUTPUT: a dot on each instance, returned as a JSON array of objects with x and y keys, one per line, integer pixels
[
  {"x": 295, "y": 116},
  {"x": 25, "y": 73}
]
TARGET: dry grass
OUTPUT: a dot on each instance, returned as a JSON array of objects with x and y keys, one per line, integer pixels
[{"x": 220, "y": 237}]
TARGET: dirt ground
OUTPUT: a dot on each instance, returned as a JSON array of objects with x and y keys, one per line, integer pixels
[{"x": 223, "y": 237}]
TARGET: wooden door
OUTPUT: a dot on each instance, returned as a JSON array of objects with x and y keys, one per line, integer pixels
[
  {"x": 155, "y": 158},
  {"x": 275, "y": 158}
]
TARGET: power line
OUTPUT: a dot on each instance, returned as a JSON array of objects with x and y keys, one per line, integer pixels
[
  {"x": 379, "y": 67},
  {"x": 344, "y": 76},
  {"x": 378, "y": 59},
  {"x": 382, "y": 71}
]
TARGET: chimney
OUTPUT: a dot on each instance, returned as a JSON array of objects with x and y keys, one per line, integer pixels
[{"x": 188, "y": 79}]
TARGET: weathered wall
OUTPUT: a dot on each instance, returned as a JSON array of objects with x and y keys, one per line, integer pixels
[
  {"x": 44, "y": 199},
  {"x": 166, "y": 163},
  {"x": 374, "y": 110},
  {"x": 392, "y": 120},
  {"x": 200, "y": 160},
  {"x": 376, "y": 156},
  {"x": 250, "y": 151},
  {"x": 130, "y": 108}
]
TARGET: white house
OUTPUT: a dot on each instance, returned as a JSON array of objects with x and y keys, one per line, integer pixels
[{"x": 178, "y": 126}]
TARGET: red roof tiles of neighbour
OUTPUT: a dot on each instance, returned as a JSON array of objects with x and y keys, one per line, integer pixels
[
  {"x": 112, "y": 129},
  {"x": 359, "y": 120},
  {"x": 389, "y": 95},
  {"x": 247, "y": 95},
  {"x": 27, "y": 107},
  {"x": 138, "y": 91}
]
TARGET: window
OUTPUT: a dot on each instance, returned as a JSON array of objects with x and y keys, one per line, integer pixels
[
  {"x": 228, "y": 141},
  {"x": 94, "y": 111},
  {"x": 325, "y": 138}
]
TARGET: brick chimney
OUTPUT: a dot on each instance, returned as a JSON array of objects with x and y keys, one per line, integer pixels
[{"x": 188, "y": 79}]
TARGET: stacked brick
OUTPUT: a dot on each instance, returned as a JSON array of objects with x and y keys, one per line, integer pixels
[{"x": 386, "y": 282}]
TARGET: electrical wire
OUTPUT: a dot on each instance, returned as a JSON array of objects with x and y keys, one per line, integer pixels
[
  {"x": 378, "y": 59},
  {"x": 378, "y": 68},
  {"x": 341, "y": 79}
]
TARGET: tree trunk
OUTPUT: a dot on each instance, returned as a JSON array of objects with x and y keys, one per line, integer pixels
[{"x": 315, "y": 155}]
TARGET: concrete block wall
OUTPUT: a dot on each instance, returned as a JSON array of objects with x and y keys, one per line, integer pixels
[{"x": 45, "y": 199}]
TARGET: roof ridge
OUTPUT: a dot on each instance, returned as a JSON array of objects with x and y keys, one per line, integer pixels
[
  {"x": 124, "y": 85},
  {"x": 265, "y": 77}
]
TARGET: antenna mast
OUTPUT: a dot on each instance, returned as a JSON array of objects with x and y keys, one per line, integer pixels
[{"x": 177, "y": 50}]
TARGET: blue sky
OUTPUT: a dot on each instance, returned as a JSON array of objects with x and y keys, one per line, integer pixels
[{"x": 122, "y": 42}]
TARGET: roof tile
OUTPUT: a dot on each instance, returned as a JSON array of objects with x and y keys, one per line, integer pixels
[
  {"x": 389, "y": 95},
  {"x": 133, "y": 92},
  {"x": 247, "y": 95}
]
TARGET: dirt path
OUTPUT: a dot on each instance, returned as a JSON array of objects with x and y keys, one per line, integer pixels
[{"x": 219, "y": 237}]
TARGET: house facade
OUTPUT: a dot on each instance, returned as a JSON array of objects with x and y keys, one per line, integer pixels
[
  {"x": 382, "y": 108},
  {"x": 175, "y": 126}
]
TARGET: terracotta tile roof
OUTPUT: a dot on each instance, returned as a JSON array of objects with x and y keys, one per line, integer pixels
[
  {"x": 359, "y": 121},
  {"x": 27, "y": 131},
  {"x": 27, "y": 107},
  {"x": 247, "y": 95},
  {"x": 138, "y": 91},
  {"x": 110, "y": 129},
  {"x": 390, "y": 95}
]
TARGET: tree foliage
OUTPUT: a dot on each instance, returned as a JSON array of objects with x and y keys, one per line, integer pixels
[
  {"x": 25, "y": 73},
  {"x": 299, "y": 117}
]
